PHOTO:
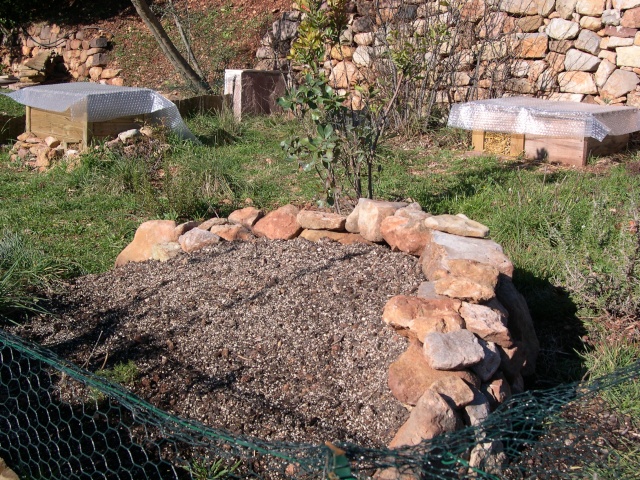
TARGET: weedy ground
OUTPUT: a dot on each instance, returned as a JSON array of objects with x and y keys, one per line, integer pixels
[{"x": 573, "y": 235}]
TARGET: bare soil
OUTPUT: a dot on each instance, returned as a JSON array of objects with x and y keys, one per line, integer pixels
[{"x": 278, "y": 340}]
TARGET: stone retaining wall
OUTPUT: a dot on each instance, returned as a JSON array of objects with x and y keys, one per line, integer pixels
[
  {"x": 577, "y": 50},
  {"x": 50, "y": 51},
  {"x": 470, "y": 335}
]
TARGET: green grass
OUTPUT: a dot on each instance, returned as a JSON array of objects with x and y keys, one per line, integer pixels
[
  {"x": 122, "y": 373},
  {"x": 8, "y": 106}
]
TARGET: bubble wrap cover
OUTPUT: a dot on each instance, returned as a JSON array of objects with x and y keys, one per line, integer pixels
[
  {"x": 93, "y": 102},
  {"x": 535, "y": 116}
]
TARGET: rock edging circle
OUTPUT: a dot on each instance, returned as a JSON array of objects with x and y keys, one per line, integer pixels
[{"x": 470, "y": 335}]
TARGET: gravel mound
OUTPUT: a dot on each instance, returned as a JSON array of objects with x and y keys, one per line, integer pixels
[{"x": 277, "y": 340}]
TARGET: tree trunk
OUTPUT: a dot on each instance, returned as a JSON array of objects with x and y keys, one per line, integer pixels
[{"x": 169, "y": 49}]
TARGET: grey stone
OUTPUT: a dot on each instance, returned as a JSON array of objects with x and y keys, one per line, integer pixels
[
  {"x": 453, "y": 350},
  {"x": 611, "y": 17},
  {"x": 490, "y": 363},
  {"x": 560, "y": 29},
  {"x": 478, "y": 410},
  {"x": 589, "y": 42},
  {"x": 577, "y": 60}
]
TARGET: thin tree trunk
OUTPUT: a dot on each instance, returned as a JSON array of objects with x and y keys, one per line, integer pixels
[
  {"x": 185, "y": 41},
  {"x": 169, "y": 49}
]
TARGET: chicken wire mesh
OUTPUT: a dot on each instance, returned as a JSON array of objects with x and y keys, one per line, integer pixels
[{"x": 58, "y": 421}]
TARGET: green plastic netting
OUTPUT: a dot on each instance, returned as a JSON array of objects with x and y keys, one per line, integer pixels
[{"x": 58, "y": 421}]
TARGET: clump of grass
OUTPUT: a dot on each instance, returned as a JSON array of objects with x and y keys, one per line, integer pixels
[
  {"x": 122, "y": 373},
  {"x": 606, "y": 358},
  {"x": 201, "y": 469},
  {"x": 26, "y": 274}
]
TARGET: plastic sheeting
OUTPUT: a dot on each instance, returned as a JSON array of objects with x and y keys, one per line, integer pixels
[
  {"x": 93, "y": 102},
  {"x": 535, "y": 116}
]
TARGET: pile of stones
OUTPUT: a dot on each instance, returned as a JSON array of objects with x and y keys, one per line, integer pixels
[{"x": 470, "y": 336}]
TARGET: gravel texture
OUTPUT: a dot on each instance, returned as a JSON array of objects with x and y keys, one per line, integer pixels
[{"x": 278, "y": 340}]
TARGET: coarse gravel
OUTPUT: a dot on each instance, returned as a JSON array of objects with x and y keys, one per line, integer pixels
[{"x": 271, "y": 339}]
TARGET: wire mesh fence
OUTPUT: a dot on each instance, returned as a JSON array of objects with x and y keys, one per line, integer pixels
[{"x": 58, "y": 421}]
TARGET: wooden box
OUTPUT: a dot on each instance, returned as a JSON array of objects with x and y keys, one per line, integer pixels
[
  {"x": 566, "y": 150},
  {"x": 44, "y": 123}
]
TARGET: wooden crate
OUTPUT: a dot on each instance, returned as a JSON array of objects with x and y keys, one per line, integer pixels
[
  {"x": 566, "y": 150},
  {"x": 45, "y": 123}
]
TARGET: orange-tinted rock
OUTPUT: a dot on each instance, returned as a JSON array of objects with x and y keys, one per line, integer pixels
[
  {"x": 147, "y": 235},
  {"x": 281, "y": 224},
  {"x": 487, "y": 323},
  {"x": 232, "y": 232},
  {"x": 246, "y": 216},
  {"x": 197, "y": 239},
  {"x": 404, "y": 234},
  {"x": 415, "y": 317},
  {"x": 463, "y": 288},
  {"x": 411, "y": 375},
  {"x": 340, "y": 237},
  {"x": 454, "y": 390},
  {"x": 371, "y": 213},
  {"x": 314, "y": 220},
  {"x": 431, "y": 416}
]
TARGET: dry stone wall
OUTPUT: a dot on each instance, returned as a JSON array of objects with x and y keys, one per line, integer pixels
[
  {"x": 470, "y": 335},
  {"x": 49, "y": 52},
  {"x": 576, "y": 50}
]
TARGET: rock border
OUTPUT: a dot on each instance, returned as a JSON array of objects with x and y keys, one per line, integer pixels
[{"x": 471, "y": 336}]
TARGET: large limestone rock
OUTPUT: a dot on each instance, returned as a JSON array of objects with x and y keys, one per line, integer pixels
[
  {"x": 628, "y": 56},
  {"x": 340, "y": 237},
  {"x": 431, "y": 416},
  {"x": 577, "y": 82},
  {"x": 344, "y": 75},
  {"x": 281, "y": 224},
  {"x": 416, "y": 317},
  {"x": 410, "y": 375},
  {"x": 454, "y": 390},
  {"x": 490, "y": 363},
  {"x": 443, "y": 250},
  {"x": 478, "y": 410},
  {"x": 560, "y": 29},
  {"x": 197, "y": 239},
  {"x": 452, "y": 351},
  {"x": 246, "y": 216},
  {"x": 463, "y": 288},
  {"x": 581, "y": 61},
  {"x": 619, "y": 83},
  {"x": 457, "y": 225},
  {"x": 368, "y": 215},
  {"x": 520, "y": 323},
  {"x": 314, "y": 220},
  {"x": 165, "y": 251},
  {"x": 531, "y": 45},
  {"x": 592, "y": 8},
  {"x": 565, "y": 8},
  {"x": 605, "y": 69},
  {"x": 487, "y": 323},
  {"x": 232, "y": 233},
  {"x": 406, "y": 234},
  {"x": 147, "y": 235},
  {"x": 589, "y": 42}
]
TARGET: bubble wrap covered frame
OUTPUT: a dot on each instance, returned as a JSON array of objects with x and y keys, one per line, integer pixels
[
  {"x": 94, "y": 102},
  {"x": 535, "y": 116}
]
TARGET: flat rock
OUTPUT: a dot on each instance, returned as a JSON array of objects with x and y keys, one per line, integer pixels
[
  {"x": 197, "y": 239},
  {"x": 165, "y": 251},
  {"x": 443, "y": 247},
  {"x": 213, "y": 222},
  {"x": 370, "y": 215},
  {"x": 453, "y": 350},
  {"x": 487, "y": 323},
  {"x": 454, "y": 390},
  {"x": 185, "y": 227},
  {"x": 314, "y": 220},
  {"x": 406, "y": 234},
  {"x": 415, "y": 317},
  {"x": 560, "y": 29},
  {"x": 410, "y": 375},
  {"x": 147, "y": 235},
  {"x": 246, "y": 216},
  {"x": 497, "y": 391},
  {"x": 232, "y": 233},
  {"x": 463, "y": 288},
  {"x": 457, "y": 225},
  {"x": 281, "y": 224},
  {"x": 490, "y": 363},
  {"x": 520, "y": 323},
  {"x": 427, "y": 290},
  {"x": 478, "y": 410},
  {"x": 431, "y": 416},
  {"x": 619, "y": 83},
  {"x": 340, "y": 237}
]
